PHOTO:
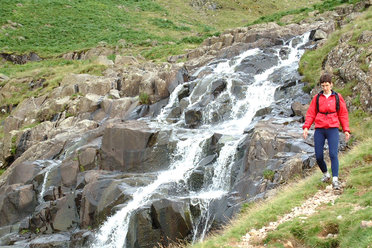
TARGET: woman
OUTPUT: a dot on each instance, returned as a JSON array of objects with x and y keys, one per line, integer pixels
[{"x": 327, "y": 110}]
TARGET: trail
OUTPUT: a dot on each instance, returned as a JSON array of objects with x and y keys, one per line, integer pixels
[{"x": 309, "y": 207}]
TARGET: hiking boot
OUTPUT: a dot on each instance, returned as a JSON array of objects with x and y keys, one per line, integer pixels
[
  {"x": 326, "y": 178},
  {"x": 336, "y": 185}
]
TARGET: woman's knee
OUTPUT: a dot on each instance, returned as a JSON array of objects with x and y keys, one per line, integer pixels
[
  {"x": 333, "y": 155},
  {"x": 319, "y": 157}
]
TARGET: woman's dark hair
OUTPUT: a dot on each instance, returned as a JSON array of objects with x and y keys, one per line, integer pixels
[{"x": 325, "y": 78}]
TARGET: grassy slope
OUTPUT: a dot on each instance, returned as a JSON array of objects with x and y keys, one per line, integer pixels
[
  {"x": 58, "y": 26},
  {"x": 354, "y": 205}
]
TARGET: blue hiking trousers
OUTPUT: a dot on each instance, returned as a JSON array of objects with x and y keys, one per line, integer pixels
[{"x": 333, "y": 136}]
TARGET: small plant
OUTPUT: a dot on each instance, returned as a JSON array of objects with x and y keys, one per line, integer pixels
[
  {"x": 31, "y": 125},
  {"x": 144, "y": 98},
  {"x": 268, "y": 175},
  {"x": 111, "y": 57},
  {"x": 13, "y": 148},
  {"x": 75, "y": 95},
  {"x": 68, "y": 114},
  {"x": 297, "y": 231},
  {"x": 24, "y": 231},
  {"x": 2, "y": 171}
]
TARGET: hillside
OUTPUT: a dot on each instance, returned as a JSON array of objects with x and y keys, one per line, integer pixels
[
  {"x": 79, "y": 77},
  {"x": 53, "y": 28}
]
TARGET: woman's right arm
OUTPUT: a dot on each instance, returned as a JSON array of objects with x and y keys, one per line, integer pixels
[{"x": 310, "y": 114}]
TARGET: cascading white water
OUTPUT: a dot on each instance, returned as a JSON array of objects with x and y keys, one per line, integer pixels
[
  {"x": 113, "y": 232},
  {"x": 189, "y": 151}
]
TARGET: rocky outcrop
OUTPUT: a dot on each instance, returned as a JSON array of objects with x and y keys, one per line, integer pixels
[
  {"x": 233, "y": 42},
  {"x": 274, "y": 154},
  {"x": 352, "y": 65},
  {"x": 20, "y": 59}
]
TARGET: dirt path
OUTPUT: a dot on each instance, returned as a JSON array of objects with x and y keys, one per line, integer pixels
[{"x": 307, "y": 208}]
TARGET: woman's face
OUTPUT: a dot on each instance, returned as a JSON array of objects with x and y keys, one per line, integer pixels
[{"x": 327, "y": 87}]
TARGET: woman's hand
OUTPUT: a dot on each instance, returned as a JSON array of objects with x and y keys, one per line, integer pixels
[
  {"x": 305, "y": 133},
  {"x": 347, "y": 136}
]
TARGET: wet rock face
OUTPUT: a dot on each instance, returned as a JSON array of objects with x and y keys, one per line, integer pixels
[
  {"x": 98, "y": 199},
  {"x": 257, "y": 64},
  {"x": 193, "y": 117}
]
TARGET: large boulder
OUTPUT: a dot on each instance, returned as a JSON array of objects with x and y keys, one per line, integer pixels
[
  {"x": 165, "y": 222},
  {"x": 141, "y": 232},
  {"x": 84, "y": 84},
  {"x": 256, "y": 64},
  {"x": 130, "y": 147},
  {"x": 22, "y": 173},
  {"x": 173, "y": 218},
  {"x": 16, "y": 202},
  {"x": 98, "y": 199},
  {"x": 59, "y": 215}
]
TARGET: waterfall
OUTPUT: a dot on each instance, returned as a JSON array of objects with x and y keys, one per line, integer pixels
[
  {"x": 228, "y": 113},
  {"x": 48, "y": 166}
]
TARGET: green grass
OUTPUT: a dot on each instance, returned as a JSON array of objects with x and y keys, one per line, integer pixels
[
  {"x": 356, "y": 170},
  {"x": 54, "y": 27},
  {"x": 302, "y": 12},
  {"x": 352, "y": 207},
  {"x": 51, "y": 28}
]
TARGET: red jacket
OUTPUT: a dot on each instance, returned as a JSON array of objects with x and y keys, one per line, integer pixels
[{"x": 327, "y": 120}]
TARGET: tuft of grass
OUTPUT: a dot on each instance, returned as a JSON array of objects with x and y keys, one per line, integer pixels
[
  {"x": 13, "y": 148},
  {"x": 168, "y": 24},
  {"x": 144, "y": 98},
  {"x": 268, "y": 174}
]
